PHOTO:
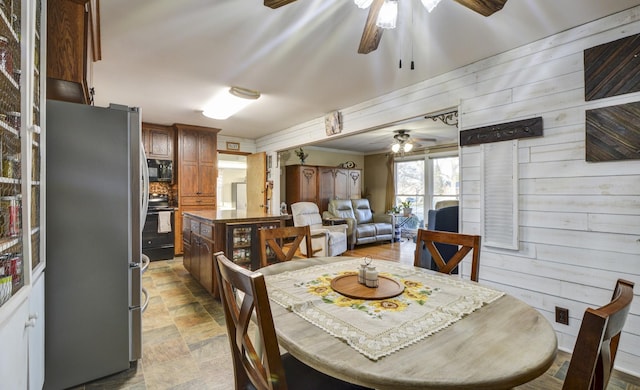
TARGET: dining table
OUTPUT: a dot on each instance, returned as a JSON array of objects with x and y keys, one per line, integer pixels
[{"x": 418, "y": 330}]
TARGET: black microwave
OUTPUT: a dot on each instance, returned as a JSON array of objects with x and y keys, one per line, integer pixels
[{"x": 160, "y": 170}]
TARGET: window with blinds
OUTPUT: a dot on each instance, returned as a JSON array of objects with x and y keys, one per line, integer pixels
[{"x": 499, "y": 194}]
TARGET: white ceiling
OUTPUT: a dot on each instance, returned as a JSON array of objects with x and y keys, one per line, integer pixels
[{"x": 170, "y": 57}]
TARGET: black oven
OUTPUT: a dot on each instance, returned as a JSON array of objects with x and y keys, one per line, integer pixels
[
  {"x": 158, "y": 232},
  {"x": 160, "y": 170}
]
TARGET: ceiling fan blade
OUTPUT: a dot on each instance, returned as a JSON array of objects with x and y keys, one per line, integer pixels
[
  {"x": 372, "y": 34},
  {"x": 277, "y": 3},
  {"x": 483, "y": 7}
]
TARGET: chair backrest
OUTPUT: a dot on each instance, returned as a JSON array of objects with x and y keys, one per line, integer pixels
[
  {"x": 263, "y": 369},
  {"x": 341, "y": 208},
  {"x": 276, "y": 240},
  {"x": 445, "y": 203},
  {"x": 362, "y": 210},
  {"x": 597, "y": 343},
  {"x": 467, "y": 242},
  {"x": 306, "y": 214}
]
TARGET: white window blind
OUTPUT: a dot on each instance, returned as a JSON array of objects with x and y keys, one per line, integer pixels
[{"x": 499, "y": 194}]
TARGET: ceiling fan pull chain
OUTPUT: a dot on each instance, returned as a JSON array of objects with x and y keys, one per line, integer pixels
[
  {"x": 412, "y": 32},
  {"x": 400, "y": 64}
]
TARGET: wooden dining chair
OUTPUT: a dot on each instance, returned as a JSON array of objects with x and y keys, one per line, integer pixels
[
  {"x": 432, "y": 239},
  {"x": 257, "y": 362},
  {"x": 597, "y": 343},
  {"x": 277, "y": 240}
]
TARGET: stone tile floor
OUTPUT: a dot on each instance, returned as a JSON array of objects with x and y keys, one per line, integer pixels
[
  {"x": 185, "y": 344},
  {"x": 184, "y": 337}
]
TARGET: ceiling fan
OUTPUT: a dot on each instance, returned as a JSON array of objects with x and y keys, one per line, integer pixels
[
  {"x": 373, "y": 33},
  {"x": 404, "y": 143}
]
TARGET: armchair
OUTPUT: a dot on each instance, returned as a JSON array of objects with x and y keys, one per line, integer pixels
[
  {"x": 325, "y": 240},
  {"x": 364, "y": 227}
]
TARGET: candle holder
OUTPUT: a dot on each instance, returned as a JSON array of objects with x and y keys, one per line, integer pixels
[
  {"x": 371, "y": 277},
  {"x": 362, "y": 271}
]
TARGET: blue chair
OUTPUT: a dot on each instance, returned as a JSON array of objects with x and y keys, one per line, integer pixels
[{"x": 444, "y": 220}]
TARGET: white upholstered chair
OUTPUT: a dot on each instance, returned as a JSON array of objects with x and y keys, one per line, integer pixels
[{"x": 325, "y": 240}]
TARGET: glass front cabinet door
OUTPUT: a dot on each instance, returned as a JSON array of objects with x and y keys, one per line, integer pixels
[{"x": 21, "y": 188}]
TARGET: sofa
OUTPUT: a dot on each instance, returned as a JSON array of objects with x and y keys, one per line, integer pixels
[
  {"x": 363, "y": 226},
  {"x": 325, "y": 240}
]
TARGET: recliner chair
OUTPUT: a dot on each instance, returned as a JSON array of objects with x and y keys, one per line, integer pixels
[
  {"x": 325, "y": 240},
  {"x": 364, "y": 227}
]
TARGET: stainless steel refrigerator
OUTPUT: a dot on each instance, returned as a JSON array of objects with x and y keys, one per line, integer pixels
[{"x": 94, "y": 216}]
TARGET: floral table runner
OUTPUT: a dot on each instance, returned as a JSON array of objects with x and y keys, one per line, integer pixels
[{"x": 376, "y": 328}]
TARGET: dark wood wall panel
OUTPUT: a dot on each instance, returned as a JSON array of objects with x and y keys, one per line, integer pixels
[
  {"x": 613, "y": 133},
  {"x": 612, "y": 68},
  {"x": 502, "y": 132}
]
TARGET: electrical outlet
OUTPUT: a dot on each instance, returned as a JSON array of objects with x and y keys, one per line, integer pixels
[{"x": 562, "y": 315}]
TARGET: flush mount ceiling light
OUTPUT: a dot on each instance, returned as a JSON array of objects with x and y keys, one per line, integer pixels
[{"x": 229, "y": 102}]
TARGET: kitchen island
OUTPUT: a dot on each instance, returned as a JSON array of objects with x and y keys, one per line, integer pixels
[{"x": 233, "y": 232}]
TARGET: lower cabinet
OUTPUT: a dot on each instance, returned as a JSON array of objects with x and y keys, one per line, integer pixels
[
  {"x": 23, "y": 336},
  {"x": 243, "y": 243},
  {"x": 202, "y": 237},
  {"x": 197, "y": 245}
]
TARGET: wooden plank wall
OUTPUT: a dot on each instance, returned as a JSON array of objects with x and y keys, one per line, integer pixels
[{"x": 579, "y": 221}]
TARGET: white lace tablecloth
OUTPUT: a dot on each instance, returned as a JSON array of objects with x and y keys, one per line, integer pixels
[{"x": 377, "y": 328}]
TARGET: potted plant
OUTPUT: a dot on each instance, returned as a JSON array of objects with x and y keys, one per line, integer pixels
[{"x": 406, "y": 207}]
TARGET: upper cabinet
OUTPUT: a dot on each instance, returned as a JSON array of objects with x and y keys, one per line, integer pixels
[
  {"x": 197, "y": 172},
  {"x": 197, "y": 165},
  {"x": 68, "y": 26},
  {"x": 158, "y": 141}
]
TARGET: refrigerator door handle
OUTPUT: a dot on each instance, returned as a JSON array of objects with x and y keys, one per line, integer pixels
[
  {"x": 145, "y": 186},
  {"x": 145, "y": 264},
  {"x": 146, "y": 299},
  {"x": 136, "y": 285}
]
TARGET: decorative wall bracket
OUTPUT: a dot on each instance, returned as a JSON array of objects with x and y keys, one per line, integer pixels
[{"x": 448, "y": 118}]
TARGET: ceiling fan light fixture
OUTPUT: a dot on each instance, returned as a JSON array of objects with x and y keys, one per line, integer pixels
[
  {"x": 230, "y": 102},
  {"x": 408, "y": 147},
  {"x": 362, "y": 4},
  {"x": 388, "y": 15},
  {"x": 430, "y": 4},
  {"x": 395, "y": 148}
]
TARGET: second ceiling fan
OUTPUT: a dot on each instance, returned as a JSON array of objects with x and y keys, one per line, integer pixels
[{"x": 373, "y": 33}]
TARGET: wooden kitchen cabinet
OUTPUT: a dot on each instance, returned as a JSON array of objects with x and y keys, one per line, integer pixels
[
  {"x": 67, "y": 34},
  {"x": 158, "y": 141},
  {"x": 198, "y": 252},
  {"x": 207, "y": 232},
  {"x": 197, "y": 171}
]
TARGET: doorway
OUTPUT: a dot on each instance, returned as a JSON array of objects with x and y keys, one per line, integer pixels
[{"x": 232, "y": 181}]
